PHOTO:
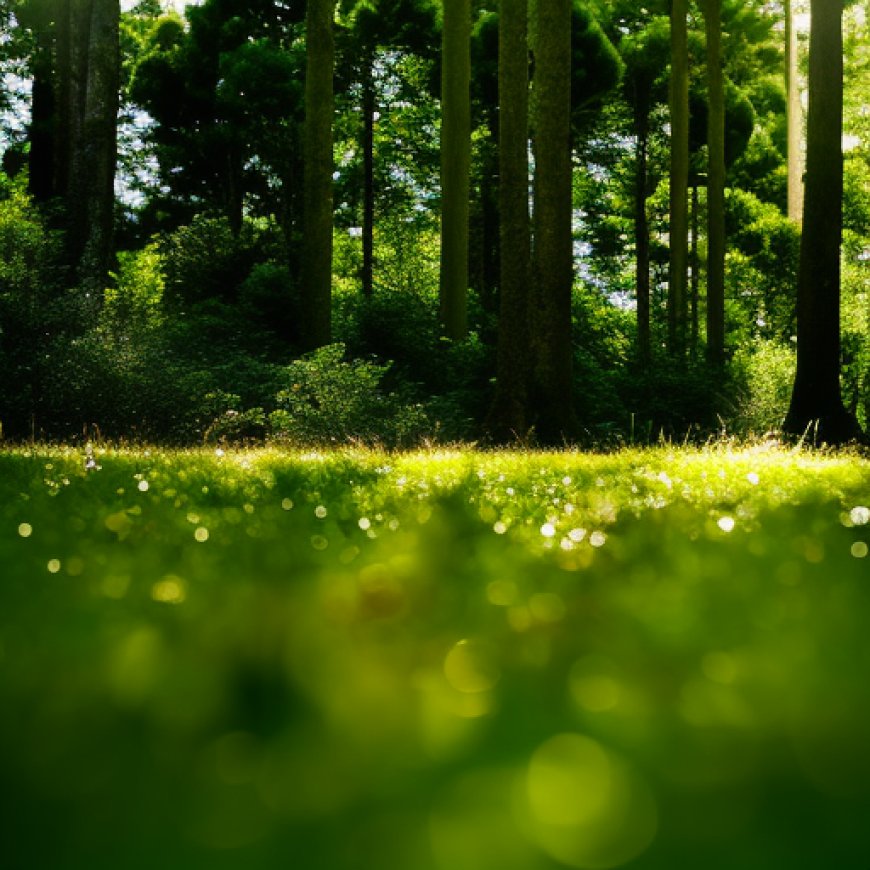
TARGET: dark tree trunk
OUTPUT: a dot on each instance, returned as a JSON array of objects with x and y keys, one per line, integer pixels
[
  {"x": 88, "y": 71},
  {"x": 816, "y": 402},
  {"x": 508, "y": 416},
  {"x": 553, "y": 238},
  {"x": 316, "y": 301},
  {"x": 455, "y": 165},
  {"x": 43, "y": 121}
]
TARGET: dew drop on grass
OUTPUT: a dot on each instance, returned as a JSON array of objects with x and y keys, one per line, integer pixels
[
  {"x": 320, "y": 512},
  {"x": 726, "y": 524},
  {"x": 287, "y": 504},
  {"x": 364, "y": 523},
  {"x": 143, "y": 486},
  {"x": 753, "y": 478},
  {"x": 25, "y": 530},
  {"x": 860, "y": 549},
  {"x": 860, "y": 515},
  {"x": 548, "y": 530},
  {"x": 499, "y": 527},
  {"x": 201, "y": 534},
  {"x": 53, "y": 566}
]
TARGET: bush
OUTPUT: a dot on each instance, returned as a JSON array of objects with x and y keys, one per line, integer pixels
[
  {"x": 764, "y": 374},
  {"x": 329, "y": 399}
]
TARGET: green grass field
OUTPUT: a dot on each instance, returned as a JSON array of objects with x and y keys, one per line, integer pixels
[{"x": 435, "y": 661}]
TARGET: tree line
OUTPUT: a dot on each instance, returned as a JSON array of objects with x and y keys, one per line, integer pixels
[{"x": 539, "y": 143}]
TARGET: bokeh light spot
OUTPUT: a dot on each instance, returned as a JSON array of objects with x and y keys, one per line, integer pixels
[
  {"x": 470, "y": 666},
  {"x": 588, "y": 807}
]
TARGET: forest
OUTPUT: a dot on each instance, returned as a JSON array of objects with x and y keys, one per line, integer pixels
[
  {"x": 400, "y": 222},
  {"x": 433, "y": 434}
]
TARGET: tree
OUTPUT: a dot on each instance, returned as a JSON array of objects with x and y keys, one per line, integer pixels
[
  {"x": 715, "y": 185},
  {"x": 816, "y": 400},
  {"x": 317, "y": 189},
  {"x": 455, "y": 165},
  {"x": 794, "y": 116},
  {"x": 407, "y": 25},
  {"x": 550, "y": 318},
  {"x": 508, "y": 416},
  {"x": 679, "y": 178},
  {"x": 645, "y": 55}
]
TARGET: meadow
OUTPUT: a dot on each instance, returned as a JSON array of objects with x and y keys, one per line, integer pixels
[{"x": 452, "y": 660}]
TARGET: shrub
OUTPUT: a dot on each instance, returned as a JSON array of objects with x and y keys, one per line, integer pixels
[
  {"x": 329, "y": 399},
  {"x": 764, "y": 374}
]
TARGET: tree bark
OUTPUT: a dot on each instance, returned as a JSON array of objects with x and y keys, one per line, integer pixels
[
  {"x": 715, "y": 186},
  {"x": 816, "y": 402},
  {"x": 553, "y": 239},
  {"x": 508, "y": 416},
  {"x": 317, "y": 182},
  {"x": 794, "y": 118},
  {"x": 679, "y": 177},
  {"x": 455, "y": 166},
  {"x": 88, "y": 70}
]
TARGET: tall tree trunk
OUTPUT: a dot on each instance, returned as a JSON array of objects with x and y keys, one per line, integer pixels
[
  {"x": 794, "y": 118},
  {"x": 679, "y": 222},
  {"x": 88, "y": 66},
  {"x": 455, "y": 165},
  {"x": 816, "y": 401},
  {"x": 317, "y": 182},
  {"x": 101, "y": 140},
  {"x": 508, "y": 417},
  {"x": 715, "y": 185},
  {"x": 553, "y": 239},
  {"x": 42, "y": 123},
  {"x": 368, "y": 221},
  {"x": 641, "y": 231}
]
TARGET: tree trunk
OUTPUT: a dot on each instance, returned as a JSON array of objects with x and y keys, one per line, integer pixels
[
  {"x": 316, "y": 302},
  {"x": 715, "y": 186},
  {"x": 455, "y": 165},
  {"x": 816, "y": 402},
  {"x": 368, "y": 221},
  {"x": 553, "y": 238},
  {"x": 679, "y": 108},
  {"x": 508, "y": 416},
  {"x": 695, "y": 262},
  {"x": 794, "y": 118},
  {"x": 88, "y": 68},
  {"x": 43, "y": 120},
  {"x": 641, "y": 232}
]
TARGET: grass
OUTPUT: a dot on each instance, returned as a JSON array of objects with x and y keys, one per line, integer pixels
[{"x": 434, "y": 661}]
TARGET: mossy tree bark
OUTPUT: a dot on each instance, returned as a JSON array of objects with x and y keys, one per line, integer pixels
[
  {"x": 550, "y": 315},
  {"x": 794, "y": 118},
  {"x": 455, "y": 165},
  {"x": 316, "y": 272},
  {"x": 508, "y": 418}
]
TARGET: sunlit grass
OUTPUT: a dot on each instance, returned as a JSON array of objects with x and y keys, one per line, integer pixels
[{"x": 434, "y": 661}]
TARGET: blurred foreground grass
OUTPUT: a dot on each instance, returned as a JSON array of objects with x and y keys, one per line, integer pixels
[{"x": 443, "y": 661}]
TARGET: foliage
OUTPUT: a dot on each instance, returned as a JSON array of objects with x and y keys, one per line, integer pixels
[
  {"x": 434, "y": 660},
  {"x": 328, "y": 399},
  {"x": 764, "y": 371}
]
